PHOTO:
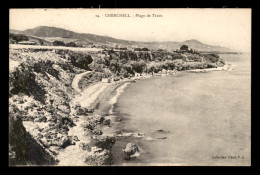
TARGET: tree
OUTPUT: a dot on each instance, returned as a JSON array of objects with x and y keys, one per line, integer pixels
[
  {"x": 71, "y": 44},
  {"x": 138, "y": 66},
  {"x": 184, "y": 47},
  {"x": 80, "y": 60},
  {"x": 58, "y": 43},
  {"x": 128, "y": 68},
  {"x": 145, "y": 49},
  {"x": 114, "y": 66}
]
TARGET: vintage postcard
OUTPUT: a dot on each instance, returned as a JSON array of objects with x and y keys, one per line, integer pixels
[{"x": 130, "y": 87}]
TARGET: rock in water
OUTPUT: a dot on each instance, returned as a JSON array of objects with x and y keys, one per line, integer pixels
[{"x": 130, "y": 150}]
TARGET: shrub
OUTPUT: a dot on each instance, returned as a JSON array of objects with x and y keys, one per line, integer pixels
[
  {"x": 22, "y": 80},
  {"x": 58, "y": 43},
  {"x": 177, "y": 56},
  {"x": 211, "y": 57},
  {"x": 137, "y": 49},
  {"x": 18, "y": 37},
  {"x": 144, "y": 49},
  {"x": 71, "y": 44},
  {"x": 184, "y": 47},
  {"x": 114, "y": 66},
  {"x": 128, "y": 68},
  {"x": 46, "y": 66},
  {"x": 138, "y": 66},
  {"x": 66, "y": 67},
  {"x": 80, "y": 60},
  {"x": 144, "y": 56}
]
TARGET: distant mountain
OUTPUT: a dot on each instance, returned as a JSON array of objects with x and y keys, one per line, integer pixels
[
  {"x": 53, "y": 33},
  {"x": 14, "y": 31}
]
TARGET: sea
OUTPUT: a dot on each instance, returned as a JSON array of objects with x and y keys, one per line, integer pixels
[{"x": 189, "y": 118}]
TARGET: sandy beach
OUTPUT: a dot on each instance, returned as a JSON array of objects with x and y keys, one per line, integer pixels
[{"x": 101, "y": 97}]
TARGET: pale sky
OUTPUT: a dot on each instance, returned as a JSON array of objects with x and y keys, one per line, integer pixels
[{"x": 224, "y": 27}]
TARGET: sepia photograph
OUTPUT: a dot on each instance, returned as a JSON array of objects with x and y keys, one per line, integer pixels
[{"x": 130, "y": 87}]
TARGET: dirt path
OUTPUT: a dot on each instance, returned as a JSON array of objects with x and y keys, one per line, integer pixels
[{"x": 77, "y": 78}]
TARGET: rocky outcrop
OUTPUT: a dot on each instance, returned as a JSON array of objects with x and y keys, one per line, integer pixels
[
  {"x": 99, "y": 157},
  {"x": 40, "y": 93},
  {"x": 130, "y": 151},
  {"x": 24, "y": 148},
  {"x": 103, "y": 142}
]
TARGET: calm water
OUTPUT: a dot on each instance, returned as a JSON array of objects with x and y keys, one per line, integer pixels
[{"x": 203, "y": 115}]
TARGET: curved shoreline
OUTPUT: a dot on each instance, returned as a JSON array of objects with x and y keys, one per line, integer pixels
[{"x": 92, "y": 97}]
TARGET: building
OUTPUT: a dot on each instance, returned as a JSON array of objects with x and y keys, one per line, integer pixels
[{"x": 27, "y": 42}]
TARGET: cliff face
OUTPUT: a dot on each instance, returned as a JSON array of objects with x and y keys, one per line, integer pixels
[
  {"x": 23, "y": 148},
  {"x": 40, "y": 92}
]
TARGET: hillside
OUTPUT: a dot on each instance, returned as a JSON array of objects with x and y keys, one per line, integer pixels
[
  {"x": 194, "y": 44},
  {"x": 52, "y": 33},
  {"x": 52, "y": 122}
]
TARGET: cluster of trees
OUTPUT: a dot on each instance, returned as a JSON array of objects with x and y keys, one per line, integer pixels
[
  {"x": 122, "y": 48},
  {"x": 128, "y": 63},
  {"x": 80, "y": 60},
  {"x": 58, "y": 43},
  {"x": 141, "y": 49},
  {"x": 179, "y": 65},
  {"x": 15, "y": 38},
  {"x": 61, "y": 43},
  {"x": 184, "y": 47}
]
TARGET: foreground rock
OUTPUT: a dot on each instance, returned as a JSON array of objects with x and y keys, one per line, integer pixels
[
  {"x": 103, "y": 142},
  {"x": 131, "y": 150},
  {"x": 99, "y": 157}
]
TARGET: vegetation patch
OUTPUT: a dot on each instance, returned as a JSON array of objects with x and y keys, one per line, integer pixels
[{"x": 22, "y": 80}]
